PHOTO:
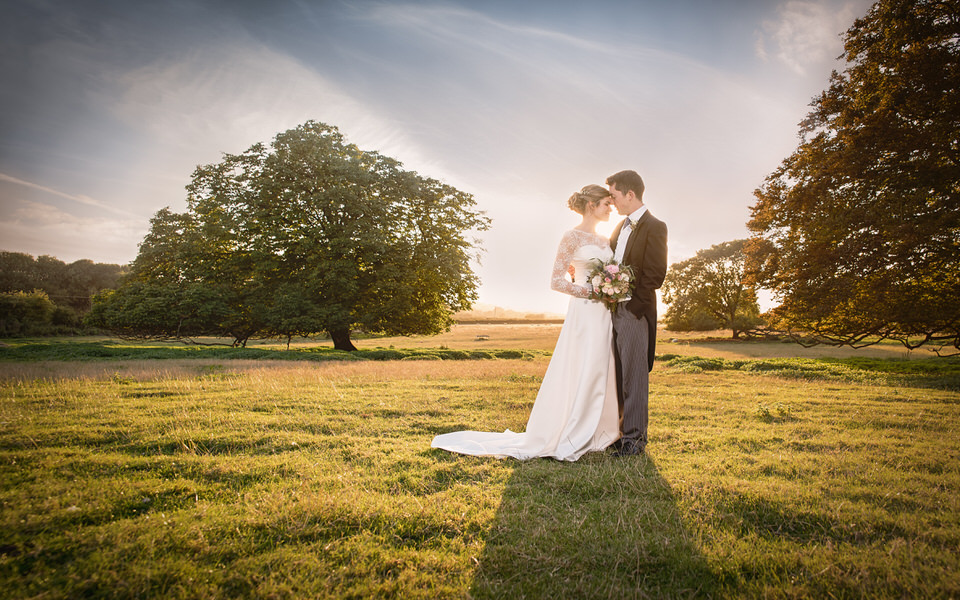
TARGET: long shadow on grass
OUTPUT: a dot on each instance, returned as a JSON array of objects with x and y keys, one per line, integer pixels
[{"x": 602, "y": 527}]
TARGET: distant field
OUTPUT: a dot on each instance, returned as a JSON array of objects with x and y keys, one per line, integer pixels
[
  {"x": 707, "y": 344},
  {"x": 543, "y": 337}
]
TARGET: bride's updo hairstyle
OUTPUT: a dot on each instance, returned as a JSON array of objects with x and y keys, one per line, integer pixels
[{"x": 590, "y": 195}]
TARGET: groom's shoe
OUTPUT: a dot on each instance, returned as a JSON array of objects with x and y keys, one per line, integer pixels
[{"x": 628, "y": 448}]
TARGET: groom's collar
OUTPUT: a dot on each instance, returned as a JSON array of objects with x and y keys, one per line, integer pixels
[{"x": 635, "y": 215}]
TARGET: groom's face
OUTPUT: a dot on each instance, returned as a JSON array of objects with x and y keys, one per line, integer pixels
[{"x": 620, "y": 199}]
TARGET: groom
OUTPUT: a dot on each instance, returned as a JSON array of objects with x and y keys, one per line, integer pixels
[{"x": 640, "y": 242}]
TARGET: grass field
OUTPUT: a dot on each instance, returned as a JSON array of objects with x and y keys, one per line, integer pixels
[{"x": 766, "y": 476}]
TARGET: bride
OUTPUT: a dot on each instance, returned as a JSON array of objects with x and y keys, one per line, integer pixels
[{"x": 576, "y": 408}]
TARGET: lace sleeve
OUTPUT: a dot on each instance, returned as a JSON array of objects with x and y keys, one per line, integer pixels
[{"x": 559, "y": 281}]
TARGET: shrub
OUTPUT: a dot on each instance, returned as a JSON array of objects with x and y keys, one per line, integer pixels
[{"x": 25, "y": 313}]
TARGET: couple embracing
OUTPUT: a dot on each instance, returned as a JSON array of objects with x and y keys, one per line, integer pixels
[{"x": 594, "y": 392}]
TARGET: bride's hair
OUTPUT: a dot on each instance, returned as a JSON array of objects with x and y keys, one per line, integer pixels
[{"x": 589, "y": 195}]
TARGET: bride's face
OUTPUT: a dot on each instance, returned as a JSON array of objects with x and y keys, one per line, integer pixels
[{"x": 601, "y": 210}]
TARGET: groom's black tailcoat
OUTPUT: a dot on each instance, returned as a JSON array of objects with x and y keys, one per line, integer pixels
[{"x": 646, "y": 254}]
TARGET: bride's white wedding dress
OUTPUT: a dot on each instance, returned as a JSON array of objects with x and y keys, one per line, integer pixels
[{"x": 576, "y": 408}]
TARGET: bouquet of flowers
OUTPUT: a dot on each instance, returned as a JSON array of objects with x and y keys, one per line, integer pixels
[{"x": 610, "y": 282}]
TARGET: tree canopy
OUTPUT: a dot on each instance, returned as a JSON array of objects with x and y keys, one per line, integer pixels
[
  {"x": 857, "y": 233},
  {"x": 309, "y": 235},
  {"x": 708, "y": 292}
]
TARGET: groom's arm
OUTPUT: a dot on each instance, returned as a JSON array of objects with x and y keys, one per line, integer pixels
[
  {"x": 651, "y": 272},
  {"x": 654, "y": 268}
]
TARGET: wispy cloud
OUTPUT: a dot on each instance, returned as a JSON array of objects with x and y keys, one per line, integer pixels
[
  {"x": 80, "y": 198},
  {"x": 448, "y": 22},
  {"x": 39, "y": 228},
  {"x": 806, "y": 34},
  {"x": 226, "y": 96}
]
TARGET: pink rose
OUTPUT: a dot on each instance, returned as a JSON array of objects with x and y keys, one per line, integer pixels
[{"x": 613, "y": 269}]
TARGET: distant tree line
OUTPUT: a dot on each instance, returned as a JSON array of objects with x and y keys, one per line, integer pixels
[{"x": 44, "y": 295}]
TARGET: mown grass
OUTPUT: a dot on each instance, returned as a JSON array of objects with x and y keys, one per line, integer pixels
[{"x": 232, "y": 478}]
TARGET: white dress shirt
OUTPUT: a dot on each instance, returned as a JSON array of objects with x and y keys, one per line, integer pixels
[{"x": 625, "y": 232}]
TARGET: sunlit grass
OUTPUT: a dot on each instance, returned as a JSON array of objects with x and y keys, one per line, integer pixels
[{"x": 198, "y": 479}]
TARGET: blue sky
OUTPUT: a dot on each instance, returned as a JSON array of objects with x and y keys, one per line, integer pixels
[{"x": 107, "y": 107}]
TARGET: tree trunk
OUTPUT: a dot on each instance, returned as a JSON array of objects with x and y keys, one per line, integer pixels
[{"x": 341, "y": 339}]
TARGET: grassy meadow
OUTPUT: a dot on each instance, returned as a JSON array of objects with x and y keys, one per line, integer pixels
[{"x": 772, "y": 472}]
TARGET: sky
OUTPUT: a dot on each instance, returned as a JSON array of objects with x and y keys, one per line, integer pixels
[{"x": 107, "y": 107}]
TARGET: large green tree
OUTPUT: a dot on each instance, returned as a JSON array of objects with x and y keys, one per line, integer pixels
[
  {"x": 858, "y": 231},
  {"x": 310, "y": 234},
  {"x": 708, "y": 292}
]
